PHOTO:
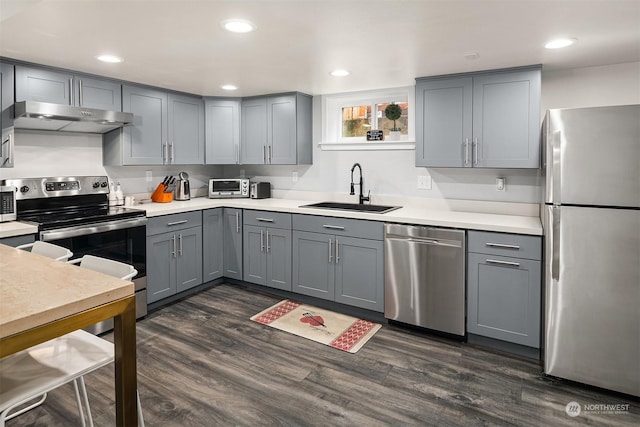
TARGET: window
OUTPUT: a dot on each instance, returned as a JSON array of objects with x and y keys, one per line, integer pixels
[{"x": 347, "y": 117}]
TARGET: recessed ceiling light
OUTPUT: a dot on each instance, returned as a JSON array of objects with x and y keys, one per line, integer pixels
[
  {"x": 559, "y": 43},
  {"x": 109, "y": 58},
  {"x": 339, "y": 73},
  {"x": 238, "y": 25},
  {"x": 472, "y": 55},
  {"x": 229, "y": 87}
]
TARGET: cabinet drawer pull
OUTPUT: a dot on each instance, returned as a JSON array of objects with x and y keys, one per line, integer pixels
[
  {"x": 502, "y": 245},
  {"x": 495, "y": 261},
  {"x": 333, "y": 227},
  {"x": 184, "y": 221},
  {"x": 264, "y": 219}
]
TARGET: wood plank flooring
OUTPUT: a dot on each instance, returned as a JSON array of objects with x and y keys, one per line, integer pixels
[{"x": 202, "y": 362}]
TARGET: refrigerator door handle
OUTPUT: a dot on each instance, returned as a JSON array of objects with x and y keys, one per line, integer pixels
[
  {"x": 555, "y": 174},
  {"x": 555, "y": 242}
]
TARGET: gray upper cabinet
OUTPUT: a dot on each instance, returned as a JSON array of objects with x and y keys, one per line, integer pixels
[
  {"x": 6, "y": 114},
  {"x": 167, "y": 129},
  {"x": 212, "y": 244},
  {"x": 186, "y": 130},
  {"x": 57, "y": 87},
  {"x": 504, "y": 287},
  {"x": 254, "y": 132},
  {"x": 339, "y": 259},
  {"x": 488, "y": 119},
  {"x": 276, "y": 130},
  {"x": 232, "y": 241},
  {"x": 222, "y": 129}
]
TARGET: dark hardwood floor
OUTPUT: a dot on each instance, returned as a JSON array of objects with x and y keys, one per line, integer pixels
[{"x": 202, "y": 362}]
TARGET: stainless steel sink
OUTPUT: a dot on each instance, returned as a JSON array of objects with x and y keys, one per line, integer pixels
[{"x": 352, "y": 207}]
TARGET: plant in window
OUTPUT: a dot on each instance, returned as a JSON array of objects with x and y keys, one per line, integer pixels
[{"x": 393, "y": 112}]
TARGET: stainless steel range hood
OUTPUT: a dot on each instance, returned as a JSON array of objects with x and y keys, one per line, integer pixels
[{"x": 67, "y": 118}]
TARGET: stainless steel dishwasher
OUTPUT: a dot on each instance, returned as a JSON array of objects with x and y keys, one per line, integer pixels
[{"x": 424, "y": 277}]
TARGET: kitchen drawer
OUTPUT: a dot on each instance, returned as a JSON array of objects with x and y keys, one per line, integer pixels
[
  {"x": 267, "y": 219},
  {"x": 173, "y": 222},
  {"x": 339, "y": 226},
  {"x": 503, "y": 244}
]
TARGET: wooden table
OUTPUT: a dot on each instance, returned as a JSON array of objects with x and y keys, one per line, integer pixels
[{"x": 41, "y": 299}]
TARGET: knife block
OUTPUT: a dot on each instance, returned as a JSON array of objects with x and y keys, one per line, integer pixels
[{"x": 159, "y": 196}]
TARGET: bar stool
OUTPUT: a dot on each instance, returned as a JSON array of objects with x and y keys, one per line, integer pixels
[
  {"x": 48, "y": 249},
  {"x": 33, "y": 372}
]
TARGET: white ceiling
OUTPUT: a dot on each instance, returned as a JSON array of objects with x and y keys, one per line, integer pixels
[{"x": 179, "y": 44}]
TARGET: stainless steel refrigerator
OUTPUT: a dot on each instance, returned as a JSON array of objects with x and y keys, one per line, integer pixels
[{"x": 592, "y": 246}]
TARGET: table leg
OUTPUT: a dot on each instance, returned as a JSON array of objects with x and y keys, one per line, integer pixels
[{"x": 126, "y": 381}]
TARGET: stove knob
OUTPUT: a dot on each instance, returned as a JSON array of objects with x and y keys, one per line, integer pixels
[
  {"x": 104, "y": 184},
  {"x": 24, "y": 189},
  {"x": 96, "y": 184}
]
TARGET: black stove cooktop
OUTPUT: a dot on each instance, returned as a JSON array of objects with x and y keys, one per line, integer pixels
[{"x": 53, "y": 219}]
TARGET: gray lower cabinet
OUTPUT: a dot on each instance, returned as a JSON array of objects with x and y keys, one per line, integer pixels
[
  {"x": 486, "y": 120},
  {"x": 222, "y": 131},
  {"x": 504, "y": 287},
  {"x": 276, "y": 130},
  {"x": 167, "y": 129},
  {"x": 66, "y": 88},
  {"x": 340, "y": 260},
  {"x": 174, "y": 254},
  {"x": 232, "y": 242},
  {"x": 212, "y": 244},
  {"x": 267, "y": 249},
  {"x": 18, "y": 240}
]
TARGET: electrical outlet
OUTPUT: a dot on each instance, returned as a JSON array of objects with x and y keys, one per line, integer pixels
[
  {"x": 241, "y": 173},
  {"x": 501, "y": 184},
  {"x": 424, "y": 182},
  {"x": 149, "y": 176},
  {"x": 294, "y": 176}
]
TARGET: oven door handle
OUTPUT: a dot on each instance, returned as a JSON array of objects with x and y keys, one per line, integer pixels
[{"x": 82, "y": 230}]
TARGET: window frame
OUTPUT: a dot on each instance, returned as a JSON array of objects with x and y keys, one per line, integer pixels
[{"x": 332, "y": 105}]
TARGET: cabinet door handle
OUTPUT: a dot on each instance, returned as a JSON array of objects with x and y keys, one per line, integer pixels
[
  {"x": 269, "y": 149},
  {"x": 337, "y": 251},
  {"x": 164, "y": 152},
  {"x": 502, "y": 245},
  {"x": 333, "y": 227},
  {"x": 80, "y": 94},
  {"x": 261, "y": 240},
  {"x": 237, "y": 222},
  {"x": 184, "y": 221},
  {"x": 264, "y": 219},
  {"x": 330, "y": 251},
  {"x": 173, "y": 252},
  {"x": 71, "y": 91},
  {"x": 475, "y": 151},
  {"x": 237, "y": 146},
  {"x": 171, "y": 153},
  {"x": 466, "y": 151},
  {"x": 495, "y": 261},
  {"x": 9, "y": 158},
  {"x": 268, "y": 248},
  {"x": 180, "y": 245},
  {"x": 264, "y": 154}
]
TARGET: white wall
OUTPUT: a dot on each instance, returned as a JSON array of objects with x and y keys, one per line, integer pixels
[{"x": 385, "y": 172}]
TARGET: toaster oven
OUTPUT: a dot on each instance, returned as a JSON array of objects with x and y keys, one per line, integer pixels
[{"x": 228, "y": 188}]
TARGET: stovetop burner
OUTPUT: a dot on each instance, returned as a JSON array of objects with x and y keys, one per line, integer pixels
[{"x": 58, "y": 202}]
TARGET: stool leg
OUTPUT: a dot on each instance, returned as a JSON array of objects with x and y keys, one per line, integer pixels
[
  {"x": 78, "y": 402},
  {"x": 86, "y": 401},
  {"x": 140, "y": 418}
]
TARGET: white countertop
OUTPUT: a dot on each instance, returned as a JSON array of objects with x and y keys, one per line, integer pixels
[
  {"x": 15, "y": 228},
  {"x": 440, "y": 216},
  {"x": 518, "y": 224}
]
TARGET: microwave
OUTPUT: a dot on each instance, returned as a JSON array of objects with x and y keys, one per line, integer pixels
[
  {"x": 7, "y": 203},
  {"x": 228, "y": 188}
]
